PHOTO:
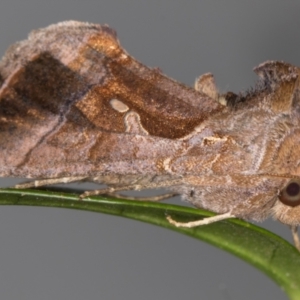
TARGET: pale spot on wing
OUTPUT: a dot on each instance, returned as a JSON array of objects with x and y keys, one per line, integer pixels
[
  {"x": 133, "y": 124},
  {"x": 166, "y": 164},
  {"x": 210, "y": 140},
  {"x": 118, "y": 105},
  {"x": 222, "y": 100}
]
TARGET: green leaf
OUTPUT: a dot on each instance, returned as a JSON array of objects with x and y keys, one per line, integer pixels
[{"x": 259, "y": 247}]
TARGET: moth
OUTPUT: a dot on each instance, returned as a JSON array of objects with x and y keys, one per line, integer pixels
[{"x": 74, "y": 105}]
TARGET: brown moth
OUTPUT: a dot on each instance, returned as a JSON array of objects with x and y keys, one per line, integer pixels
[{"x": 74, "y": 105}]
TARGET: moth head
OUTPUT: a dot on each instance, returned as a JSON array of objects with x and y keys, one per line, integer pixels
[{"x": 290, "y": 194}]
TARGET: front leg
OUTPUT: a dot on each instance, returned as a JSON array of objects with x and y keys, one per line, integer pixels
[{"x": 204, "y": 221}]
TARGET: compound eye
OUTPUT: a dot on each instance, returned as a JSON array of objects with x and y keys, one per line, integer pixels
[{"x": 290, "y": 195}]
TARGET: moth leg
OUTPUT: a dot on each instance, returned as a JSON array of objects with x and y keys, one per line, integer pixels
[
  {"x": 204, "y": 221},
  {"x": 295, "y": 236},
  {"x": 135, "y": 187},
  {"x": 153, "y": 198},
  {"x": 42, "y": 182},
  {"x": 104, "y": 191},
  {"x": 110, "y": 191}
]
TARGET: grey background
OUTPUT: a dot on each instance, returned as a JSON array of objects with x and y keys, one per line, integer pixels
[{"x": 64, "y": 254}]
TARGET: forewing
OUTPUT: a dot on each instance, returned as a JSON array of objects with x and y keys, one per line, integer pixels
[{"x": 71, "y": 95}]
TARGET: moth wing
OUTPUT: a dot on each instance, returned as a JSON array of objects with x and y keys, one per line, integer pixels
[{"x": 71, "y": 96}]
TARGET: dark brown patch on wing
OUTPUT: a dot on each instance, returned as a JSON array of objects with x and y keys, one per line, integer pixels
[
  {"x": 49, "y": 85},
  {"x": 166, "y": 108},
  {"x": 34, "y": 103}
]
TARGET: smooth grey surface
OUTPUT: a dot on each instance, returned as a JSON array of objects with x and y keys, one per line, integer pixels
[{"x": 63, "y": 254}]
